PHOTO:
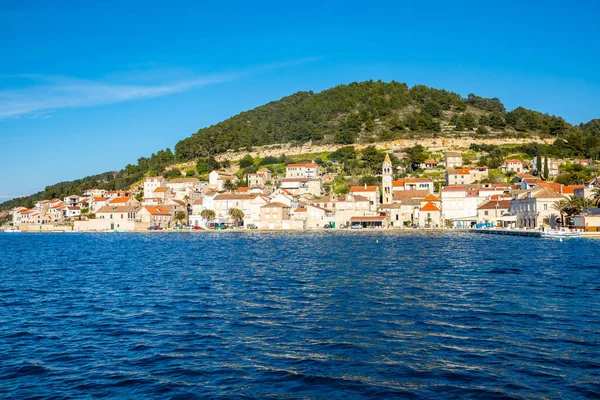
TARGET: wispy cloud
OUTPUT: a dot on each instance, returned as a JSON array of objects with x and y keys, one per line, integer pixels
[
  {"x": 51, "y": 93},
  {"x": 42, "y": 94}
]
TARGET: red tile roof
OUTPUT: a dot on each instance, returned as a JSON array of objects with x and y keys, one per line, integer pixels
[
  {"x": 430, "y": 207},
  {"x": 363, "y": 189},
  {"x": 302, "y": 165},
  {"x": 157, "y": 210}
]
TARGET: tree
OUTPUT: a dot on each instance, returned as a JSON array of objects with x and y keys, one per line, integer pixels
[
  {"x": 596, "y": 197},
  {"x": 561, "y": 206},
  {"x": 247, "y": 161},
  {"x": 180, "y": 216},
  {"x": 229, "y": 186},
  {"x": 372, "y": 158},
  {"x": 546, "y": 172},
  {"x": 236, "y": 215},
  {"x": 538, "y": 164},
  {"x": 208, "y": 214},
  {"x": 202, "y": 166}
]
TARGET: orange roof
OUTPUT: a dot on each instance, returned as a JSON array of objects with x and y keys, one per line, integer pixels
[
  {"x": 462, "y": 171},
  {"x": 286, "y": 191},
  {"x": 401, "y": 182},
  {"x": 570, "y": 189},
  {"x": 302, "y": 165},
  {"x": 363, "y": 189},
  {"x": 242, "y": 189},
  {"x": 99, "y": 198},
  {"x": 490, "y": 205},
  {"x": 157, "y": 210},
  {"x": 120, "y": 200},
  {"x": 161, "y": 189},
  {"x": 550, "y": 185},
  {"x": 514, "y": 161},
  {"x": 453, "y": 188},
  {"x": 275, "y": 204},
  {"x": 300, "y": 209},
  {"x": 431, "y": 197},
  {"x": 430, "y": 207}
]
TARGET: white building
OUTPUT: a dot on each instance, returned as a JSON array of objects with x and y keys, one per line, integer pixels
[
  {"x": 153, "y": 183},
  {"x": 310, "y": 171}
]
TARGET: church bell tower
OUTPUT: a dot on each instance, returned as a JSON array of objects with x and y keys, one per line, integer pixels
[{"x": 386, "y": 180}]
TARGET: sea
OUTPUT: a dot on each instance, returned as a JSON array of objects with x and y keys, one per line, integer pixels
[{"x": 348, "y": 315}]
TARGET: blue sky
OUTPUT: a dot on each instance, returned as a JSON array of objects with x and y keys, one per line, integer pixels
[{"x": 90, "y": 88}]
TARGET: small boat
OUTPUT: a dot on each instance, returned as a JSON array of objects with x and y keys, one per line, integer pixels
[
  {"x": 122, "y": 230},
  {"x": 12, "y": 230},
  {"x": 559, "y": 233}
]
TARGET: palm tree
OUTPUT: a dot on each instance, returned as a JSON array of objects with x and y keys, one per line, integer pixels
[
  {"x": 576, "y": 205},
  {"x": 180, "y": 216},
  {"x": 561, "y": 206},
  {"x": 208, "y": 214},
  {"x": 229, "y": 186},
  {"x": 596, "y": 197},
  {"x": 236, "y": 215}
]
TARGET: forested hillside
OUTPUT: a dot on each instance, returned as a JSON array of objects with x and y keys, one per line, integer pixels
[{"x": 364, "y": 112}]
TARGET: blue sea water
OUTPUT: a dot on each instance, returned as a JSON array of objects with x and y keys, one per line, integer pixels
[{"x": 306, "y": 315}]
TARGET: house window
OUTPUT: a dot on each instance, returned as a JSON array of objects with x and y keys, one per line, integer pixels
[
  {"x": 485, "y": 213},
  {"x": 545, "y": 207}
]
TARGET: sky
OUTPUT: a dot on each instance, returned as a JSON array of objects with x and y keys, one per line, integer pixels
[{"x": 89, "y": 87}]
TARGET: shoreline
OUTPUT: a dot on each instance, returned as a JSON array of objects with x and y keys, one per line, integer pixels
[{"x": 583, "y": 235}]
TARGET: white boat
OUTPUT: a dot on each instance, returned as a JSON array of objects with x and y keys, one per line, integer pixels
[
  {"x": 12, "y": 230},
  {"x": 559, "y": 233}
]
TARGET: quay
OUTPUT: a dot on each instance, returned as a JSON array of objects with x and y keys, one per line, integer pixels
[{"x": 510, "y": 232}]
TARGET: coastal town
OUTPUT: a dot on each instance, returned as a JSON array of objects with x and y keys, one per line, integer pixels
[{"x": 302, "y": 198}]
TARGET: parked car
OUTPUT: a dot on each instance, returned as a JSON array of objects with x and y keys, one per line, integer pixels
[
  {"x": 251, "y": 226},
  {"x": 356, "y": 226},
  {"x": 154, "y": 228},
  {"x": 220, "y": 227},
  {"x": 198, "y": 228}
]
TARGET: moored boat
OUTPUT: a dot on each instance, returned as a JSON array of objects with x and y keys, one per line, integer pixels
[{"x": 559, "y": 233}]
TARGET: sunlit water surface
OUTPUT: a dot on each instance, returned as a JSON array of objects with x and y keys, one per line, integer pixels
[{"x": 338, "y": 315}]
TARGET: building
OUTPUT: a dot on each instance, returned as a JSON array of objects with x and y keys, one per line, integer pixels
[
  {"x": 496, "y": 212},
  {"x": 114, "y": 217},
  {"x": 153, "y": 183},
  {"x": 512, "y": 165},
  {"x": 310, "y": 171},
  {"x": 553, "y": 165},
  {"x": 386, "y": 180},
  {"x": 275, "y": 215},
  {"x": 163, "y": 194},
  {"x": 123, "y": 201},
  {"x": 459, "y": 205},
  {"x": 413, "y": 184},
  {"x": 153, "y": 215},
  {"x": 181, "y": 186},
  {"x": 454, "y": 160},
  {"x": 259, "y": 178},
  {"x": 301, "y": 186},
  {"x": 430, "y": 215},
  {"x": 370, "y": 192},
  {"x": 534, "y": 208},
  {"x": 249, "y": 204},
  {"x": 459, "y": 176}
]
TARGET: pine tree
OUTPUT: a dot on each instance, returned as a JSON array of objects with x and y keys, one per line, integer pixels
[
  {"x": 546, "y": 172},
  {"x": 538, "y": 164}
]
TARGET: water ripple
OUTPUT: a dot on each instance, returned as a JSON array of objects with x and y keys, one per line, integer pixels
[{"x": 298, "y": 315}]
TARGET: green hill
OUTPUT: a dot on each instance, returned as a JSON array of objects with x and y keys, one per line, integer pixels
[{"x": 363, "y": 112}]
